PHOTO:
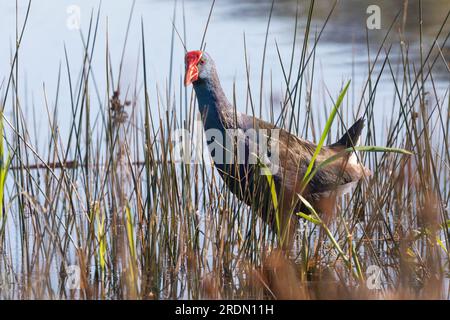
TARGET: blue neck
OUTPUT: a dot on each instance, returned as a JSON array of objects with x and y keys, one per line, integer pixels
[{"x": 211, "y": 102}]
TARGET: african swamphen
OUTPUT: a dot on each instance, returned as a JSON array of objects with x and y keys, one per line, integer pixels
[{"x": 294, "y": 153}]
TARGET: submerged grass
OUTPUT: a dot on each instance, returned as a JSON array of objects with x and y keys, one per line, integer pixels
[{"x": 113, "y": 199}]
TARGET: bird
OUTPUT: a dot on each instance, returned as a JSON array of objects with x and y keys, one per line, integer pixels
[{"x": 222, "y": 122}]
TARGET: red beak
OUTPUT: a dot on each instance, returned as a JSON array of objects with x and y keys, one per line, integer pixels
[{"x": 192, "y": 59}]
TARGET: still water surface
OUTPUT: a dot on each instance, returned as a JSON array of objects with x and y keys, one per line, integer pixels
[{"x": 341, "y": 54}]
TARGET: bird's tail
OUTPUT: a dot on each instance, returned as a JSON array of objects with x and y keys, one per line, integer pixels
[{"x": 351, "y": 137}]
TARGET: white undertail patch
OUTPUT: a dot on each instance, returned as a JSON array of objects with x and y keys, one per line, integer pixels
[{"x": 353, "y": 159}]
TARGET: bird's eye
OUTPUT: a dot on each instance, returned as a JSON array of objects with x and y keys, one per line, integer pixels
[{"x": 202, "y": 61}]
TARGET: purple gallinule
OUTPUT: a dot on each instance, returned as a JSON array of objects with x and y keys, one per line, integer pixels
[{"x": 294, "y": 154}]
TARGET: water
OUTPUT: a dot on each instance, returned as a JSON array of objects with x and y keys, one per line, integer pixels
[{"x": 341, "y": 54}]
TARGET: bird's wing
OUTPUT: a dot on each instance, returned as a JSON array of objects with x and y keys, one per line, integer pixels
[{"x": 295, "y": 154}]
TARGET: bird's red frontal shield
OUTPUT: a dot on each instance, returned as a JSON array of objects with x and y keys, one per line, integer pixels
[{"x": 192, "y": 59}]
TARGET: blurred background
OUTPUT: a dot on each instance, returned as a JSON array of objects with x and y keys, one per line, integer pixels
[{"x": 341, "y": 55}]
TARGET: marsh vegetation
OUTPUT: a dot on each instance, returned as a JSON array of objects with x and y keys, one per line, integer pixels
[{"x": 102, "y": 190}]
